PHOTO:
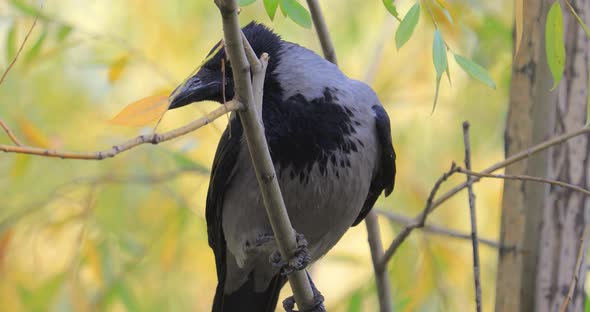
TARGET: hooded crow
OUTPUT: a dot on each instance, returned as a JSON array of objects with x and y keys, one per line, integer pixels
[{"x": 330, "y": 141}]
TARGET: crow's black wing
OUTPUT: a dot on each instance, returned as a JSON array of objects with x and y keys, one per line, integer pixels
[
  {"x": 384, "y": 179},
  {"x": 221, "y": 175}
]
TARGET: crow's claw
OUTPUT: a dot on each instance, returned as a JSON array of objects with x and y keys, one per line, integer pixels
[
  {"x": 318, "y": 301},
  {"x": 298, "y": 262}
]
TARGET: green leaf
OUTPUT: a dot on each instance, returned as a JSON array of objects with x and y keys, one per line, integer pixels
[
  {"x": 448, "y": 71},
  {"x": 271, "y": 7},
  {"x": 282, "y": 8},
  {"x": 439, "y": 53},
  {"x": 24, "y": 7},
  {"x": 447, "y": 14},
  {"x": 439, "y": 58},
  {"x": 390, "y": 6},
  {"x": 245, "y": 2},
  {"x": 36, "y": 48},
  {"x": 554, "y": 45},
  {"x": 297, "y": 12},
  {"x": 11, "y": 44},
  {"x": 63, "y": 32},
  {"x": 40, "y": 298},
  {"x": 186, "y": 163},
  {"x": 475, "y": 71},
  {"x": 126, "y": 296},
  {"x": 406, "y": 27},
  {"x": 355, "y": 302},
  {"x": 402, "y": 304}
]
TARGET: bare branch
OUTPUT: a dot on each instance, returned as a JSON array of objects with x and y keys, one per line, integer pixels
[
  {"x": 117, "y": 149},
  {"x": 431, "y": 204},
  {"x": 381, "y": 278},
  {"x": 472, "y": 214},
  {"x": 322, "y": 30},
  {"x": 376, "y": 58},
  {"x": 9, "y": 133},
  {"x": 258, "y": 147},
  {"x": 20, "y": 49},
  {"x": 251, "y": 55},
  {"x": 419, "y": 220},
  {"x": 525, "y": 178},
  {"x": 514, "y": 158},
  {"x": 575, "y": 277},
  {"x": 435, "y": 229}
]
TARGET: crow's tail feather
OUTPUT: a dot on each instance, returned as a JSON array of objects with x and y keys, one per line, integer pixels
[{"x": 246, "y": 299}]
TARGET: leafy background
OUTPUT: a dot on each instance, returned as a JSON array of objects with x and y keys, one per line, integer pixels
[{"x": 128, "y": 234}]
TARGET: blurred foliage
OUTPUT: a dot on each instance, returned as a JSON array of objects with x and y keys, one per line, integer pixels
[{"x": 128, "y": 234}]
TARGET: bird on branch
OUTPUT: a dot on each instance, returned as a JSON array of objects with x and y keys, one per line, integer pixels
[{"x": 330, "y": 142}]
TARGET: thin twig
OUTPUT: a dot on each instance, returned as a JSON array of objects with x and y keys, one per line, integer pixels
[
  {"x": 514, "y": 158},
  {"x": 117, "y": 149},
  {"x": 375, "y": 243},
  {"x": 20, "y": 48},
  {"x": 376, "y": 59},
  {"x": 259, "y": 152},
  {"x": 376, "y": 247},
  {"x": 9, "y": 133},
  {"x": 472, "y": 213},
  {"x": 525, "y": 178},
  {"x": 431, "y": 204},
  {"x": 435, "y": 229},
  {"x": 322, "y": 31},
  {"x": 575, "y": 277},
  {"x": 250, "y": 54},
  {"x": 418, "y": 221}
]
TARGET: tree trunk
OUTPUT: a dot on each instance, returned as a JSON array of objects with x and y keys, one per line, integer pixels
[{"x": 542, "y": 224}]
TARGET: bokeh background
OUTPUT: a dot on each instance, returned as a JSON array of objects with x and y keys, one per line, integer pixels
[{"x": 128, "y": 234}]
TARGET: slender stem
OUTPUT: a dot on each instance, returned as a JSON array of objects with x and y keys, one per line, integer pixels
[
  {"x": 11, "y": 135},
  {"x": 433, "y": 204},
  {"x": 472, "y": 214},
  {"x": 435, "y": 229},
  {"x": 419, "y": 220},
  {"x": 258, "y": 147},
  {"x": 525, "y": 178},
  {"x": 20, "y": 49},
  {"x": 323, "y": 34},
  {"x": 514, "y": 158},
  {"x": 381, "y": 278},
  {"x": 376, "y": 59},
  {"x": 575, "y": 275},
  {"x": 117, "y": 149}
]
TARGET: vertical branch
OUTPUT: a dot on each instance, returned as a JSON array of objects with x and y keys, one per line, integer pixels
[
  {"x": 258, "y": 147},
  {"x": 576, "y": 275},
  {"x": 381, "y": 278},
  {"x": 472, "y": 213},
  {"x": 322, "y": 30},
  {"x": 375, "y": 244}
]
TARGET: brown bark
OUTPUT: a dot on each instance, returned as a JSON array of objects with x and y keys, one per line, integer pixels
[{"x": 544, "y": 221}]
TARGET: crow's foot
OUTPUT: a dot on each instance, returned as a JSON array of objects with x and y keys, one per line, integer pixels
[
  {"x": 298, "y": 261},
  {"x": 318, "y": 301}
]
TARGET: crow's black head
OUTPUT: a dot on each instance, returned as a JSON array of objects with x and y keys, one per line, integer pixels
[{"x": 208, "y": 82}]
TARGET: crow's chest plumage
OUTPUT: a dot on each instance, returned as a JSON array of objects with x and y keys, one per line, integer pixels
[
  {"x": 302, "y": 134},
  {"x": 324, "y": 154}
]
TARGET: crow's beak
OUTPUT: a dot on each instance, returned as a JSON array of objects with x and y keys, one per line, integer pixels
[{"x": 194, "y": 90}]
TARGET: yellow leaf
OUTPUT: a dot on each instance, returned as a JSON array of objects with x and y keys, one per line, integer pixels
[
  {"x": 20, "y": 165},
  {"x": 32, "y": 134},
  {"x": 117, "y": 67},
  {"x": 142, "y": 112},
  {"x": 93, "y": 259},
  {"x": 4, "y": 242}
]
